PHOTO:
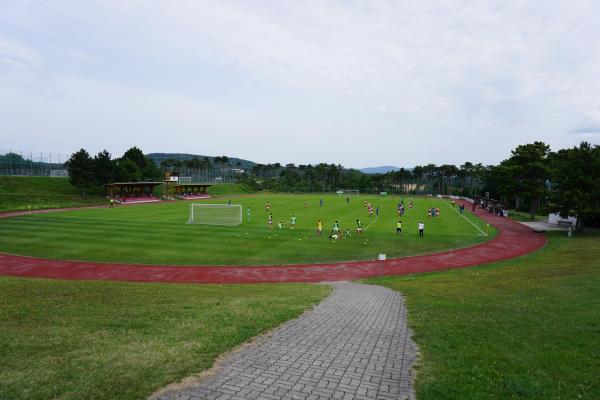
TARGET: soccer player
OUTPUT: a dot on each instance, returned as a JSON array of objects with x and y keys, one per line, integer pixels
[
  {"x": 428, "y": 212},
  {"x": 377, "y": 211},
  {"x": 293, "y": 222},
  {"x": 267, "y": 206},
  {"x": 280, "y": 225},
  {"x": 347, "y": 235},
  {"x": 270, "y": 220},
  {"x": 112, "y": 203},
  {"x": 248, "y": 213},
  {"x": 319, "y": 228},
  {"x": 347, "y": 200},
  {"x": 399, "y": 227},
  {"x": 336, "y": 227},
  {"x": 365, "y": 204},
  {"x": 437, "y": 212},
  {"x": 370, "y": 208},
  {"x": 305, "y": 204},
  {"x": 359, "y": 225},
  {"x": 410, "y": 204},
  {"x": 321, "y": 202},
  {"x": 421, "y": 229}
]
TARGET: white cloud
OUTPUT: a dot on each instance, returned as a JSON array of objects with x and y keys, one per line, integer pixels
[
  {"x": 15, "y": 55},
  {"x": 365, "y": 82},
  {"x": 589, "y": 123}
]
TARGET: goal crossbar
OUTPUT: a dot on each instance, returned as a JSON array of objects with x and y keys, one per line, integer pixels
[{"x": 353, "y": 192}]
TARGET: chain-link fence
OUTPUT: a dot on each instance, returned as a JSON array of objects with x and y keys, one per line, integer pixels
[
  {"x": 207, "y": 175},
  {"x": 29, "y": 163}
]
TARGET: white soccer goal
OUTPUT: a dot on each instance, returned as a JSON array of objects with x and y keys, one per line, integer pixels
[
  {"x": 215, "y": 214},
  {"x": 348, "y": 192},
  {"x": 59, "y": 172}
]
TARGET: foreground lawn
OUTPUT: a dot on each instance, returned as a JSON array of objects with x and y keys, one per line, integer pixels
[
  {"x": 522, "y": 329},
  {"x": 106, "y": 340},
  {"x": 159, "y": 234}
]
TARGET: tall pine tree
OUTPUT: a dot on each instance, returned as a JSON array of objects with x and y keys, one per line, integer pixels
[{"x": 80, "y": 166}]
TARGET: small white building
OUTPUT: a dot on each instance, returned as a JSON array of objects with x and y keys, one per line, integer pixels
[{"x": 555, "y": 218}]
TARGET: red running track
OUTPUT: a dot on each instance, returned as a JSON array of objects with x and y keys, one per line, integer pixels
[{"x": 513, "y": 240}]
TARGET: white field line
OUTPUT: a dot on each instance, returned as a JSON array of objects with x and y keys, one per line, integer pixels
[
  {"x": 368, "y": 226},
  {"x": 467, "y": 219}
]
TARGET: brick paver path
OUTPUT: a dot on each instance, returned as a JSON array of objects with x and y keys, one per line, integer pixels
[{"x": 354, "y": 345}]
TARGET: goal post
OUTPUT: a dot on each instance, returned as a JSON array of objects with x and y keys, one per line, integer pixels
[
  {"x": 348, "y": 192},
  {"x": 215, "y": 214}
]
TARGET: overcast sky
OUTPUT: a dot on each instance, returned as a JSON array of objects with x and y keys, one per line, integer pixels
[{"x": 361, "y": 83}]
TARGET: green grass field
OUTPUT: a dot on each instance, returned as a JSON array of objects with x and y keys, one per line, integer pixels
[
  {"x": 108, "y": 340},
  {"x": 158, "y": 233},
  {"x": 527, "y": 328}
]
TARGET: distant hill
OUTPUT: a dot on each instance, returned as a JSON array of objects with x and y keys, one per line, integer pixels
[
  {"x": 379, "y": 170},
  {"x": 158, "y": 157}
]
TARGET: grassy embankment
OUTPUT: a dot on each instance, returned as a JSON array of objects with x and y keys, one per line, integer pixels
[
  {"x": 229, "y": 188},
  {"x": 527, "y": 328},
  {"x": 35, "y": 192},
  {"x": 522, "y": 216},
  {"x": 24, "y": 192}
]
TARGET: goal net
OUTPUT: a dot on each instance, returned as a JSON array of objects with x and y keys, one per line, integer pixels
[
  {"x": 215, "y": 214},
  {"x": 348, "y": 192}
]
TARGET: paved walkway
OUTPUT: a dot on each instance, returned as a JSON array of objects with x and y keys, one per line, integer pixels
[
  {"x": 512, "y": 241},
  {"x": 545, "y": 226},
  {"x": 354, "y": 345}
]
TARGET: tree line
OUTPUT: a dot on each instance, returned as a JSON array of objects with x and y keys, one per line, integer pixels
[
  {"x": 466, "y": 180},
  {"x": 567, "y": 181},
  {"x": 86, "y": 171},
  {"x": 532, "y": 178},
  {"x": 198, "y": 163}
]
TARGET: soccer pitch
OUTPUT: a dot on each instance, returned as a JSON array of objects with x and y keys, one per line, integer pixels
[{"x": 158, "y": 233}]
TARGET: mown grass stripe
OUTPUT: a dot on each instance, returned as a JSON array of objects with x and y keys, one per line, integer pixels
[{"x": 158, "y": 234}]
